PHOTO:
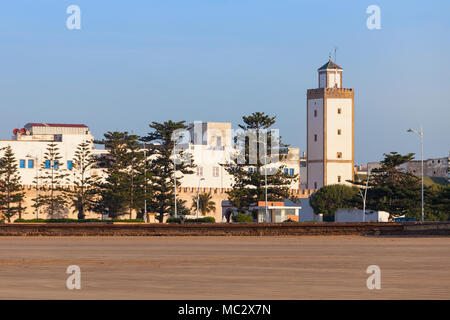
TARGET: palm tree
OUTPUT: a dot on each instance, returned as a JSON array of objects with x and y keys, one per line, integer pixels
[{"x": 206, "y": 205}]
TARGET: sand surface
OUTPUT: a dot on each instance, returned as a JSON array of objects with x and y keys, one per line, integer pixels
[{"x": 225, "y": 267}]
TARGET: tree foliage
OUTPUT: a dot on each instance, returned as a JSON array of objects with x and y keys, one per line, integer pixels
[
  {"x": 392, "y": 189},
  {"x": 249, "y": 176},
  {"x": 164, "y": 163},
  {"x": 52, "y": 179},
  {"x": 85, "y": 184},
  {"x": 122, "y": 191},
  {"x": 332, "y": 197},
  {"x": 11, "y": 190},
  {"x": 205, "y": 204}
]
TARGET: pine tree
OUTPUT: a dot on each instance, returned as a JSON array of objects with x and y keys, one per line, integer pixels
[
  {"x": 163, "y": 168},
  {"x": 135, "y": 163},
  {"x": 124, "y": 187},
  {"x": 11, "y": 190},
  {"x": 52, "y": 179},
  {"x": 85, "y": 184},
  {"x": 249, "y": 178},
  {"x": 393, "y": 190}
]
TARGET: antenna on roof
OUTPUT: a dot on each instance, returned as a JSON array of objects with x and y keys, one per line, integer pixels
[{"x": 335, "y": 70}]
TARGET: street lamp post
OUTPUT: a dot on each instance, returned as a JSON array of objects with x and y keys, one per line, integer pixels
[
  {"x": 175, "y": 184},
  {"x": 420, "y": 133},
  {"x": 265, "y": 173},
  {"x": 198, "y": 194},
  {"x": 145, "y": 184},
  {"x": 364, "y": 197},
  {"x": 35, "y": 158}
]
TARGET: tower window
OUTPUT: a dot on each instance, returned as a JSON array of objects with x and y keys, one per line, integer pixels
[
  {"x": 339, "y": 178},
  {"x": 315, "y": 113},
  {"x": 339, "y": 155},
  {"x": 339, "y": 110},
  {"x": 315, "y": 137},
  {"x": 315, "y": 185},
  {"x": 339, "y": 132}
]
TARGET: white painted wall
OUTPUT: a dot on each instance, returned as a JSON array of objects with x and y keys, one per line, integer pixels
[
  {"x": 344, "y": 142},
  {"x": 356, "y": 215},
  {"x": 345, "y": 170},
  {"x": 23, "y": 148},
  {"x": 315, "y": 126}
]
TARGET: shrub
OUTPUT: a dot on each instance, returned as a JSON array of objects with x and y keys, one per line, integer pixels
[
  {"x": 242, "y": 217},
  {"x": 173, "y": 220},
  {"x": 62, "y": 220},
  {"x": 67, "y": 220},
  {"x": 127, "y": 220},
  {"x": 201, "y": 220}
]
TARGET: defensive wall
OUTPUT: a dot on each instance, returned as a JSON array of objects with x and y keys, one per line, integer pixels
[
  {"x": 223, "y": 229},
  {"x": 187, "y": 194}
]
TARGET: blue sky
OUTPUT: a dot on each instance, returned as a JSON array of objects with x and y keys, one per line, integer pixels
[{"x": 134, "y": 62}]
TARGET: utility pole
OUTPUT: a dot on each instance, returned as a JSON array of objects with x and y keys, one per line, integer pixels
[
  {"x": 198, "y": 194},
  {"x": 35, "y": 158},
  {"x": 145, "y": 184},
  {"x": 420, "y": 133}
]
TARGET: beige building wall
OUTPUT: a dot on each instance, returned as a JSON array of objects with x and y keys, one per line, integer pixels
[{"x": 330, "y": 130}]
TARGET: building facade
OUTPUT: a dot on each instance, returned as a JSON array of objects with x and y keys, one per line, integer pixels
[
  {"x": 211, "y": 144},
  {"x": 330, "y": 113},
  {"x": 30, "y": 143},
  {"x": 434, "y": 167}
]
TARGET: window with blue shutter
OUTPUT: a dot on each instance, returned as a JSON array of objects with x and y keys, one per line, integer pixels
[
  {"x": 256, "y": 170},
  {"x": 22, "y": 164},
  {"x": 291, "y": 172},
  {"x": 55, "y": 164},
  {"x": 250, "y": 170},
  {"x": 69, "y": 164},
  {"x": 30, "y": 164},
  {"x": 285, "y": 171},
  {"x": 47, "y": 164}
]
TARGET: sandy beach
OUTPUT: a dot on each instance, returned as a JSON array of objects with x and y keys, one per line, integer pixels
[{"x": 313, "y": 267}]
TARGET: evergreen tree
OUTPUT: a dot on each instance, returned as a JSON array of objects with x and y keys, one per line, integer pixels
[
  {"x": 393, "y": 190},
  {"x": 11, "y": 190},
  {"x": 249, "y": 178},
  {"x": 135, "y": 162},
  {"x": 437, "y": 203},
  {"x": 85, "y": 183},
  {"x": 163, "y": 166},
  {"x": 205, "y": 204},
  {"x": 52, "y": 179},
  {"x": 124, "y": 187}
]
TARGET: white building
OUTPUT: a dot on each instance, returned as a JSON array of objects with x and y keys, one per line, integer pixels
[
  {"x": 29, "y": 145},
  {"x": 330, "y": 129},
  {"x": 211, "y": 145},
  {"x": 357, "y": 215},
  {"x": 435, "y": 167}
]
